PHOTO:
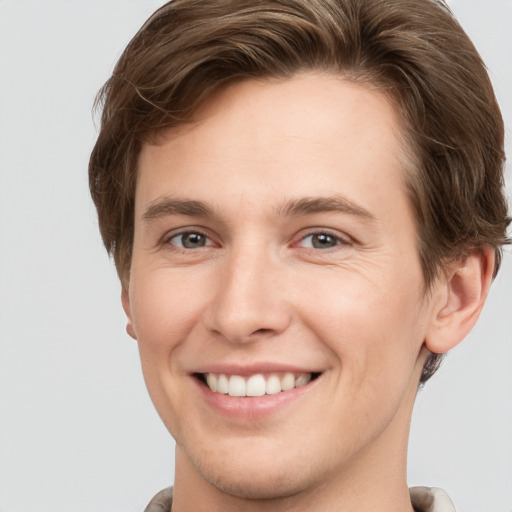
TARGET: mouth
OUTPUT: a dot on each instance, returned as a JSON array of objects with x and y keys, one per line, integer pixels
[{"x": 255, "y": 385}]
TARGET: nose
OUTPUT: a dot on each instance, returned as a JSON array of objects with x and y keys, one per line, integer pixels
[{"x": 250, "y": 302}]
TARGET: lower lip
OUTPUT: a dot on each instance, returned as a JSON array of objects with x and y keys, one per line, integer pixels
[{"x": 252, "y": 407}]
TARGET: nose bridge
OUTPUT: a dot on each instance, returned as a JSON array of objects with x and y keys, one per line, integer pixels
[{"x": 250, "y": 300}]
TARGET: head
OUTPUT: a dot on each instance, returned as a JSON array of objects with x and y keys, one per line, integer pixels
[
  {"x": 415, "y": 52},
  {"x": 191, "y": 57}
]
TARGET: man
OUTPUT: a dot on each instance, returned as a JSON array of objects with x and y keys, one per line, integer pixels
[{"x": 304, "y": 201}]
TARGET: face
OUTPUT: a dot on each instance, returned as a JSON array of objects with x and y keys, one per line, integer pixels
[{"x": 275, "y": 256}]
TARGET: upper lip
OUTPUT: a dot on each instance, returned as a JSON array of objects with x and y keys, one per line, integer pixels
[{"x": 253, "y": 368}]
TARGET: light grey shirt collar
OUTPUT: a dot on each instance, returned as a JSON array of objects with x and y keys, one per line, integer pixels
[{"x": 423, "y": 499}]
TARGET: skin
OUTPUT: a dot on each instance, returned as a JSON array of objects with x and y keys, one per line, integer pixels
[{"x": 263, "y": 290}]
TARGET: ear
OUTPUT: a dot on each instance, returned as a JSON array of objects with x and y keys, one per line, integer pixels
[
  {"x": 125, "y": 301},
  {"x": 460, "y": 297}
]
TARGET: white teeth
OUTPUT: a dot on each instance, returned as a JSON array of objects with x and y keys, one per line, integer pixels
[
  {"x": 255, "y": 385},
  {"x": 212, "y": 381},
  {"x": 236, "y": 386},
  {"x": 273, "y": 385},
  {"x": 222, "y": 385},
  {"x": 288, "y": 382},
  {"x": 302, "y": 380}
]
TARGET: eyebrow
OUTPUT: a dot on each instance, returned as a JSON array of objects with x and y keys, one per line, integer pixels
[
  {"x": 303, "y": 206},
  {"x": 312, "y": 205},
  {"x": 169, "y": 206}
]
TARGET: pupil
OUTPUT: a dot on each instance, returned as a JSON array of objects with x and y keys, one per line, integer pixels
[
  {"x": 322, "y": 241},
  {"x": 193, "y": 240}
]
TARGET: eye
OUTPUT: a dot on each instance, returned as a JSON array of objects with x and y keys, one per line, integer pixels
[
  {"x": 322, "y": 241},
  {"x": 190, "y": 240}
]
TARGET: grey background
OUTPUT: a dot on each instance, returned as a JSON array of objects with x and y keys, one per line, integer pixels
[{"x": 77, "y": 429}]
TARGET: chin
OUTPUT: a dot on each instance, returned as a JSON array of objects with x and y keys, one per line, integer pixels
[
  {"x": 253, "y": 479},
  {"x": 252, "y": 486}
]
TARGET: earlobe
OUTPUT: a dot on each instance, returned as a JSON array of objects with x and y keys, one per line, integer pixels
[
  {"x": 460, "y": 298},
  {"x": 125, "y": 301}
]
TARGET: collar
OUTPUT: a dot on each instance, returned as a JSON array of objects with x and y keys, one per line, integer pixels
[
  {"x": 431, "y": 499},
  {"x": 423, "y": 499}
]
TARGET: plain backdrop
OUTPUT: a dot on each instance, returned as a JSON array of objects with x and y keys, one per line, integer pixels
[{"x": 77, "y": 429}]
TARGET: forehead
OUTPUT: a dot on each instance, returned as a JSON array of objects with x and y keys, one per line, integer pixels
[{"x": 314, "y": 134}]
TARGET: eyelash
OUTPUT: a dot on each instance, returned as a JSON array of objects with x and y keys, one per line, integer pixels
[
  {"x": 340, "y": 241},
  {"x": 191, "y": 231}
]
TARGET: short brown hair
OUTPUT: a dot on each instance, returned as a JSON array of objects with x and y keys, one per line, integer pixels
[{"x": 413, "y": 49}]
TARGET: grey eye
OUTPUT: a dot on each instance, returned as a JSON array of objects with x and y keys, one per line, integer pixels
[
  {"x": 191, "y": 240},
  {"x": 320, "y": 241}
]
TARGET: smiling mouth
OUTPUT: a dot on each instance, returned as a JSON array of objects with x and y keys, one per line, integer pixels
[{"x": 255, "y": 385}]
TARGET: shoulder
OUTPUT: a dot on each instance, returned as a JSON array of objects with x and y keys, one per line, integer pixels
[
  {"x": 431, "y": 499},
  {"x": 162, "y": 502}
]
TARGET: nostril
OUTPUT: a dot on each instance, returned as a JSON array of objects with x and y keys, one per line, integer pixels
[{"x": 262, "y": 331}]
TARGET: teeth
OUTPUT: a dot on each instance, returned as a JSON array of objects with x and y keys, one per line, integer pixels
[
  {"x": 288, "y": 382},
  {"x": 302, "y": 380},
  {"x": 222, "y": 385},
  {"x": 212, "y": 381},
  {"x": 273, "y": 385},
  {"x": 236, "y": 386},
  {"x": 256, "y": 385}
]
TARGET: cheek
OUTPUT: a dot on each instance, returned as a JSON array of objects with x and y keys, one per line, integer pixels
[
  {"x": 372, "y": 326},
  {"x": 164, "y": 312},
  {"x": 164, "y": 309}
]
